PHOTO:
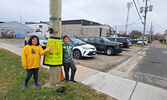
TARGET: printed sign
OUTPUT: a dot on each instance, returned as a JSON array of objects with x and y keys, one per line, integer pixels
[{"x": 55, "y": 56}]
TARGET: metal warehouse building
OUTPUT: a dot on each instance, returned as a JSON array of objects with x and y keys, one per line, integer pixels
[{"x": 14, "y": 29}]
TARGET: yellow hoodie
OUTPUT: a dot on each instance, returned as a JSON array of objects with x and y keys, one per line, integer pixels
[{"x": 31, "y": 56}]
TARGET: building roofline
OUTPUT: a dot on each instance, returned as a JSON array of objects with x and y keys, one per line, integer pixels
[
  {"x": 63, "y": 21},
  {"x": 15, "y": 22}
]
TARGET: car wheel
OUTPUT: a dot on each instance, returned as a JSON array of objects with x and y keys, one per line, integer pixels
[
  {"x": 109, "y": 51},
  {"x": 76, "y": 54}
]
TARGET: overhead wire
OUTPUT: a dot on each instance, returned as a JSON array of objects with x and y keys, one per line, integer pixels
[
  {"x": 123, "y": 26},
  {"x": 138, "y": 3},
  {"x": 138, "y": 12}
]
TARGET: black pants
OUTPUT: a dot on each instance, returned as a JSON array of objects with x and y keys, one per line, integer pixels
[
  {"x": 66, "y": 70},
  {"x": 33, "y": 71}
]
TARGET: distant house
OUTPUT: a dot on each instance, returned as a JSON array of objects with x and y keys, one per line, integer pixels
[
  {"x": 14, "y": 29},
  {"x": 165, "y": 35},
  {"x": 74, "y": 28}
]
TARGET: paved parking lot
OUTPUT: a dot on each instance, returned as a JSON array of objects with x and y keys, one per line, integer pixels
[
  {"x": 102, "y": 61},
  {"x": 99, "y": 62}
]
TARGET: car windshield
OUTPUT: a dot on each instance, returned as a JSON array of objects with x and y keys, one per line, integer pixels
[
  {"x": 41, "y": 37},
  {"x": 128, "y": 40},
  {"x": 105, "y": 39},
  {"x": 85, "y": 39},
  {"x": 77, "y": 41}
]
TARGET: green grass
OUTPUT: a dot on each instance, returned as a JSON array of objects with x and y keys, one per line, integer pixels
[
  {"x": 164, "y": 43},
  {"x": 12, "y": 77}
]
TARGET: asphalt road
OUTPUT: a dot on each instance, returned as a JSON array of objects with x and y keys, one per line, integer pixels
[{"x": 153, "y": 68}]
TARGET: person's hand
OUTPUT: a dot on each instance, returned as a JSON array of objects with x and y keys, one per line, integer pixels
[
  {"x": 84, "y": 43},
  {"x": 50, "y": 49}
]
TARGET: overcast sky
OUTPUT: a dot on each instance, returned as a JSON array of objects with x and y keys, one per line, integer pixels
[{"x": 111, "y": 12}]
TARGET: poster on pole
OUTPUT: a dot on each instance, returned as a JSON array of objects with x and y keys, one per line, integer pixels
[{"x": 55, "y": 56}]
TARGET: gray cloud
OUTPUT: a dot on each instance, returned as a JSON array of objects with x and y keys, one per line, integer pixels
[{"x": 111, "y": 12}]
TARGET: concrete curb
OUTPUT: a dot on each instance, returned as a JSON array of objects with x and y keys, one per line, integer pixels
[{"x": 117, "y": 63}]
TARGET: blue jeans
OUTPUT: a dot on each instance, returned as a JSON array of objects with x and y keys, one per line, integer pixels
[
  {"x": 33, "y": 71},
  {"x": 66, "y": 70}
]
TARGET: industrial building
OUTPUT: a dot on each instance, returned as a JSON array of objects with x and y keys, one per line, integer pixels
[
  {"x": 76, "y": 28},
  {"x": 14, "y": 30},
  {"x": 85, "y": 28}
]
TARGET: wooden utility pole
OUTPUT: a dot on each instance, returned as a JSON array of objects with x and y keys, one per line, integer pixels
[
  {"x": 145, "y": 16},
  {"x": 55, "y": 33},
  {"x": 151, "y": 31}
]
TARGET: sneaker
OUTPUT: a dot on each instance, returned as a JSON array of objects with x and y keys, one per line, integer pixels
[
  {"x": 37, "y": 86},
  {"x": 67, "y": 80},
  {"x": 24, "y": 86},
  {"x": 73, "y": 81}
]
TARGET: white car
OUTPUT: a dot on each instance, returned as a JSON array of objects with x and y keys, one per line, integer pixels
[
  {"x": 82, "y": 49},
  {"x": 42, "y": 39},
  {"x": 145, "y": 42}
]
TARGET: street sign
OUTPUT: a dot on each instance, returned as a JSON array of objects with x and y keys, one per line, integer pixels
[{"x": 55, "y": 56}]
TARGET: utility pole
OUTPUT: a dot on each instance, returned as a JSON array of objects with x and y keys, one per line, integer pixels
[
  {"x": 145, "y": 16},
  {"x": 115, "y": 32},
  {"x": 146, "y": 9},
  {"x": 100, "y": 32},
  {"x": 20, "y": 18},
  {"x": 151, "y": 31},
  {"x": 129, "y": 4},
  {"x": 115, "y": 29},
  {"x": 82, "y": 27},
  {"x": 55, "y": 33}
]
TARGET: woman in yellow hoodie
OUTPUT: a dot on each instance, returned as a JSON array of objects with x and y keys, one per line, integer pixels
[{"x": 31, "y": 56}]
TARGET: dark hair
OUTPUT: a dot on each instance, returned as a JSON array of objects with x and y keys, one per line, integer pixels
[
  {"x": 30, "y": 40},
  {"x": 65, "y": 36}
]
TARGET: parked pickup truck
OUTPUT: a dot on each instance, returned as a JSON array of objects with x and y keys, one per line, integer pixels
[{"x": 104, "y": 45}]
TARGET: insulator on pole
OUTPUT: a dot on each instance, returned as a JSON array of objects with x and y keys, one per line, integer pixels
[
  {"x": 141, "y": 9},
  {"x": 150, "y": 7}
]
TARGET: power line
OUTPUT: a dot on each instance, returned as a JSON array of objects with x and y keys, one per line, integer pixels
[
  {"x": 129, "y": 24},
  {"x": 134, "y": 22},
  {"x": 138, "y": 11},
  {"x": 138, "y": 3}
]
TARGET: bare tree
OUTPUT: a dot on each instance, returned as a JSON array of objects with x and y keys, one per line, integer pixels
[{"x": 135, "y": 34}]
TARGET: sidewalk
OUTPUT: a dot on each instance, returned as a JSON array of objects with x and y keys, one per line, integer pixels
[{"x": 114, "y": 86}]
